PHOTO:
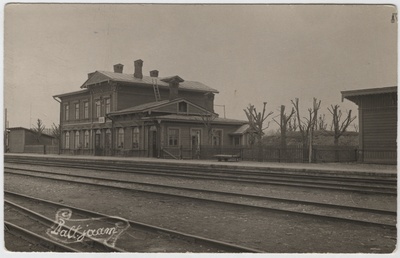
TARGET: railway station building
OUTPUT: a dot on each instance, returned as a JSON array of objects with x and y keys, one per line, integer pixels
[
  {"x": 377, "y": 114},
  {"x": 130, "y": 114}
]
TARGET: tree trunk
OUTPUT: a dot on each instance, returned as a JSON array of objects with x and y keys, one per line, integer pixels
[{"x": 336, "y": 142}]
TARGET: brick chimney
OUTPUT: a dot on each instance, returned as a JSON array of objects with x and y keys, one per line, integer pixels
[
  {"x": 173, "y": 86},
  {"x": 154, "y": 73},
  {"x": 118, "y": 68},
  {"x": 138, "y": 69}
]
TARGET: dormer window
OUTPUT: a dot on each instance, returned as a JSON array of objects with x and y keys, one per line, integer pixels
[{"x": 182, "y": 107}]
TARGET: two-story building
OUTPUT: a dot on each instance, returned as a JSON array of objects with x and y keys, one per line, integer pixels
[{"x": 132, "y": 114}]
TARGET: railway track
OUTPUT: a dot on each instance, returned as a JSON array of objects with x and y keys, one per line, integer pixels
[
  {"x": 365, "y": 216},
  {"x": 353, "y": 183},
  {"x": 15, "y": 235},
  {"x": 139, "y": 237}
]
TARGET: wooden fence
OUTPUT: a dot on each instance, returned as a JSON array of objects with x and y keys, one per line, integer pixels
[{"x": 266, "y": 153}]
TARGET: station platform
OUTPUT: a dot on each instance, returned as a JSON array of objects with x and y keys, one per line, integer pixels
[{"x": 332, "y": 168}]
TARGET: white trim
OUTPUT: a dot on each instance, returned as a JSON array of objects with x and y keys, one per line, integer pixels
[
  {"x": 179, "y": 136},
  {"x": 222, "y": 137},
  {"x": 201, "y": 135}
]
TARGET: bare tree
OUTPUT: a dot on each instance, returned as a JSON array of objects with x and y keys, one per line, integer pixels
[
  {"x": 339, "y": 127},
  {"x": 257, "y": 119},
  {"x": 355, "y": 126},
  {"x": 306, "y": 124},
  {"x": 256, "y": 123},
  {"x": 321, "y": 124},
  {"x": 292, "y": 126},
  {"x": 38, "y": 130},
  {"x": 283, "y": 124},
  {"x": 207, "y": 122}
]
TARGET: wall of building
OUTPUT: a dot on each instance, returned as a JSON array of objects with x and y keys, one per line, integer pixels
[
  {"x": 16, "y": 140},
  {"x": 186, "y": 131},
  {"x": 129, "y": 96},
  {"x": 378, "y": 128}
]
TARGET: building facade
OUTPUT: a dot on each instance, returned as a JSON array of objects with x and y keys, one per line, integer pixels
[
  {"x": 130, "y": 114},
  {"x": 377, "y": 114}
]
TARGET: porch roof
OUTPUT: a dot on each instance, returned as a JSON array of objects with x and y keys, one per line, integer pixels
[{"x": 192, "y": 118}]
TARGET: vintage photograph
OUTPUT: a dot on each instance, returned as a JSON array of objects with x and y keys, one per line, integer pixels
[{"x": 200, "y": 128}]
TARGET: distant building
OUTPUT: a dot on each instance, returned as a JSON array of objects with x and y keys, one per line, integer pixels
[
  {"x": 21, "y": 140},
  {"x": 131, "y": 114},
  {"x": 377, "y": 114}
]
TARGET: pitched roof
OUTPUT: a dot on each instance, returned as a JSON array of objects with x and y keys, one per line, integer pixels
[
  {"x": 71, "y": 93},
  {"x": 152, "y": 105},
  {"x": 102, "y": 76},
  {"x": 241, "y": 130},
  {"x": 348, "y": 94},
  {"x": 30, "y": 130},
  {"x": 141, "y": 108}
]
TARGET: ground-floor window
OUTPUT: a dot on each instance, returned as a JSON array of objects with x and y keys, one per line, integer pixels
[
  {"x": 120, "y": 138},
  {"x": 67, "y": 140},
  {"x": 77, "y": 143},
  {"x": 173, "y": 137},
  {"x": 86, "y": 140},
  {"x": 236, "y": 140},
  {"x": 217, "y": 137},
  {"x": 135, "y": 137}
]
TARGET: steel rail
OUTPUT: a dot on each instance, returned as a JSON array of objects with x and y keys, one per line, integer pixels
[
  {"x": 243, "y": 171},
  {"x": 148, "y": 227},
  {"x": 49, "y": 222},
  {"x": 280, "y": 182},
  {"x": 332, "y": 218},
  {"x": 240, "y": 195},
  {"x": 35, "y": 238}
]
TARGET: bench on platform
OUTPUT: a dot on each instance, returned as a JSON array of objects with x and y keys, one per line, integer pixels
[{"x": 226, "y": 157}]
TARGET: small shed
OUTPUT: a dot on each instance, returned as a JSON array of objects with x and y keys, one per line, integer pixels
[
  {"x": 20, "y": 139},
  {"x": 377, "y": 114}
]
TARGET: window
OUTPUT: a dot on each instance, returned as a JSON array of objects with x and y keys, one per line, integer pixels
[
  {"x": 236, "y": 140},
  {"x": 182, "y": 107},
  {"x": 66, "y": 112},
  {"x": 135, "y": 138},
  {"x": 86, "y": 141},
  {"x": 120, "y": 138},
  {"x": 173, "y": 137},
  {"x": 67, "y": 140},
  {"x": 77, "y": 143},
  {"x": 86, "y": 109},
  {"x": 108, "y": 105},
  {"x": 98, "y": 108},
  {"x": 217, "y": 138},
  {"x": 77, "y": 111}
]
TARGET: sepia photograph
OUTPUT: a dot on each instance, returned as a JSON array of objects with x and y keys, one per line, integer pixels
[{"x": 199, "y": 128}]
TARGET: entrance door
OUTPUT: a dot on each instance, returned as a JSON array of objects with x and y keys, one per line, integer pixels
[
  {"x": 97, "y": 144},
  {"x": 195, "y": 142},
  {"x": 154, "y": 144},
  {"x": 153, "y": 151}
]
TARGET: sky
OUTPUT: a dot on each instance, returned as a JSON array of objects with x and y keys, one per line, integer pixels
[{"x": 249, "y": 53}]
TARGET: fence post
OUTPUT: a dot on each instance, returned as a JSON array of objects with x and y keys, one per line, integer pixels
[{"x": 44, "y": 149}]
